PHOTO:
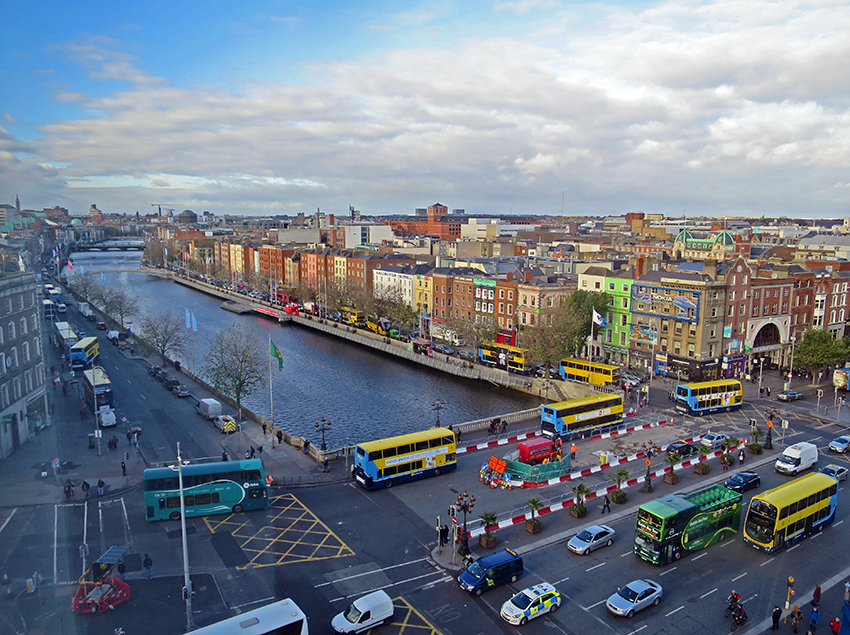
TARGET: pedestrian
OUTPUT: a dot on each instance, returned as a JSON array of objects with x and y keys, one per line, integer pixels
[
  {"x": 265, "y": 428},
  {"x": 444, "y": 535},
  {"x": 814, "y": 618},
  {"x": 761, "y": 391},
  {"x": 606, "y": 504},
  {"x": 147, "y": 563},
  {"x": 224, "y": 455},
  {"x": 279, "y": 436},
  {"x": 776, "y": 616},
  {"x": 573, "y": 450},
  {"x": 247, "y": 454},
  {"x": 114, "y": 442},
  {"x": 796, "y": 618},
  {"x": 129, "y": 438},
  {"x": 816, "y": 596},
  {"x": 69, "y": 490},
  {"x": 259, "y": 449},
  {"x": 457, "y": 436},
  {"x": 85, "y": 487},
  {"x": 835, "y": 625},
  {"x": 121, "y": 568},
  {"x": 741, "y": 457},
  {"x": 325, "y": 467},
  {"x": 768, "y": 392},
  {"x": 306, "y": 447},
  {"x": 252, "y": 451},
  {"x": 724, "y": 462},
  {"x": 82, "y": 414},
  {"x": 100, "y": 486},
  {"x": 123, "y": 468}
]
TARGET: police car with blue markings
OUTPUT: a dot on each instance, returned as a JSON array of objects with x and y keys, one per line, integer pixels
[{"x": 530, "y": 603}]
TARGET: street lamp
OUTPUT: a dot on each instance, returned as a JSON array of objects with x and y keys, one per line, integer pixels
[
  {"x": 465, "y": 503},
  {"x": 791, "y": 365},
  {"x": 322, "y": 427},
  {"x": 761, "y": 372},
  {"x": 187, "y": 582},
  {"x": 438, "y": 405}
]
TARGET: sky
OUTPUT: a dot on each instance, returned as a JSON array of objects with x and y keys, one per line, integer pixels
[{"x": 501, "y": 107}]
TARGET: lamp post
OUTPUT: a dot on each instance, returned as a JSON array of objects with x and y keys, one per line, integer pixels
[
  {"x": 791, "y": 365},
  {"x": 322, "y": 426},
  {"x": 187, "y": 582},
  {"x": 437, "y": 406},
  {"x": 465, "y": 503},
  {"x": 761, "y": 372}
]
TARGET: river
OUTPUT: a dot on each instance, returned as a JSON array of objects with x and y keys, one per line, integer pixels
[{"x": 365, "y": 395}]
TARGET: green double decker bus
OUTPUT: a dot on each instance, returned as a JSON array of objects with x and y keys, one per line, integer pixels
[
  {"x": 669, "y": 527},
  {"x": 222, "y": 487}
]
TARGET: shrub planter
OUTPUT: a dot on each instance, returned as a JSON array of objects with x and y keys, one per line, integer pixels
[
  {"x": 755, "y": 448},
  {"x": 488, "y": 541},
  {"x": 671, "y": 478},
  {"x": 619, "y": 496},
  {"x": 578, "y": 511},
  {"x": 702, "y": 468},
  {"x": 533, "y": 526}
]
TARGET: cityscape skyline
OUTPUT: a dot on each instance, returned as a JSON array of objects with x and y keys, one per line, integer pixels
[{"x": 529, "y": 107}]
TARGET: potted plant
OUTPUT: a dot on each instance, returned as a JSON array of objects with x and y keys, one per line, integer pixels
[
  {"x": 578, "y": 508},
  {"x": 673, "y": 459},
  {"x": 487, "y": 539},
  {"x": 702, "y": 467},
  {"x": 533, "y": 524},
  {"x": 618, "y": 495}
]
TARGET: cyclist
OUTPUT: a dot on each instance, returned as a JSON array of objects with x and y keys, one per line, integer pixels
[{"x": 734, "y": 598}]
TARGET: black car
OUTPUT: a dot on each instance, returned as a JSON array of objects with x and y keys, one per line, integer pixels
[
  {"x": 153, "y": 371},
  {"x": 685, "y": 450},
  {"x": 162, "y": 375},
  {"x": 170, "y": 383},
  {"x": 742, "y": 481}
]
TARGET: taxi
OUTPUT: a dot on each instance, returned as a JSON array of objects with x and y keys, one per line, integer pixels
[{"x": 530, "y": 603}]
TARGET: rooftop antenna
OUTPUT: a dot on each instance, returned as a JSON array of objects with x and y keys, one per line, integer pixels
[{"x": 562, "y": 202}]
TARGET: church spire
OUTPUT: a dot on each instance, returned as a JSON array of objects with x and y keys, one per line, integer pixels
[{"x": 17, "y": 203}]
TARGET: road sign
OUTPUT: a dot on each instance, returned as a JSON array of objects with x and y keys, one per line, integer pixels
[
  {"x": 820, "y": 392},
  {"x": 784, "y": 424},
  {"x": 454, "y": 520}
]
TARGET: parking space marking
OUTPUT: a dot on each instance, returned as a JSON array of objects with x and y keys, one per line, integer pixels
[{"x": 290, "y": 533}]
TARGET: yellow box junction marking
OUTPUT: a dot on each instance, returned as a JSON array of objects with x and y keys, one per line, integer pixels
[
  {"x": 409, "y": 620},
  {"x": 290, "y": 533}
]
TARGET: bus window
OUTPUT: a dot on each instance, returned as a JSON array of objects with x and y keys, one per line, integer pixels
[
  {"x": 190, "y": 500},
  {"x": 388, "y": 452},
  {"x": 421, "y": 445}
]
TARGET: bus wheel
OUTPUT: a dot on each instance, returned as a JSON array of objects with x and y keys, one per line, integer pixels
[
  {"x": 174, "y": 516},
  {"x": 389, "y": 483},
  {"x": 238, "y": 509},
  {"x": 677, "y": 555},
  {"x": 437, "y": 471}
]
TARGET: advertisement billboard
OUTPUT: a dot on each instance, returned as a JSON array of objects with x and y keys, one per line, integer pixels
[{"x": 674, "y": 304}]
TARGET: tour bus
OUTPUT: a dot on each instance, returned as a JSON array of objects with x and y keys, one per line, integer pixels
[
  {"x": 98, "y": 388},
  {"x": 222, "y": 487},
  {"x": 65, "y": 337},
  {"x": 671, "y": 526},
  {"x": 84, "y": 353},
  {"x": 575, "y": 415},
  {"x": 404, "y": 458},
  {"x": 780, "y": 517},
  {"x": 347, "y": 315},
  {"x": 588, "y": 372},
  {"x": 510, "y": 358},
  {"x": 278, "y": 618},
  {"x": 708, "y": 397}
]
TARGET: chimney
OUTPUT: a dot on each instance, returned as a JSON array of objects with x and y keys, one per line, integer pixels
[
  {"x": 509, "y": 276},
  {"x": 709, "y": 268},
  {"x": 527, "y": 275},
  {"x": 639, "y": 267}
]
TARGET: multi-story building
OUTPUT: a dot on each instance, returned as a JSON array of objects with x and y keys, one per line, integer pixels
[
  {"x": 23, "y": 401},
  {"x": 506, "y": 302},
  {"x": 538, "y": 298},
  {"x": 617, "y": 336}
]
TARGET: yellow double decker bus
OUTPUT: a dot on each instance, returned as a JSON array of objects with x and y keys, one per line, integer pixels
[
  {"x": 588, "y": 372},
  {"x": 576, "y": 415},
  {"x": 786, "y": 514},
  {"x": 405, "y": 458},
  {"x": 510, "y": 358},
  {"x": 707, "y": 397},
  {"x": 354, "y": 317}
]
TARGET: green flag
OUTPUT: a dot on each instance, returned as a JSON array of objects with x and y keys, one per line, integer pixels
[{"x": 275, "y": 352}]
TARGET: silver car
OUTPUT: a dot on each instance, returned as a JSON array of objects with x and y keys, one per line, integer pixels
[
  {"x": 841, "y": 444},
  {"x": 591, "y": 538},
  {"x": 635, "y": 596}
]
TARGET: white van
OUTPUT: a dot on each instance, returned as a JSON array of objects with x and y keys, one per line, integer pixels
[
  {"x": 796, "y": 458},
  {"x": 209, "y": 409},
  {"x": 364, "y": 613}
]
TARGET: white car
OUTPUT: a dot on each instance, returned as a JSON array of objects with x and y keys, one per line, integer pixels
[
  {"x": 635, "y": 596},
  {"x": 591, "y": 538},
  {"x": 841, "y": 444},
  {"x": 837, "y": 472},
  {"x": 713, "y": 441},
  {"x": 530, "y": 603}
]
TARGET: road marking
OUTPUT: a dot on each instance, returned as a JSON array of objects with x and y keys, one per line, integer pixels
[
  {"x": 628, "y": 553},
  {"x": 593, "y": 606},
  {"x": 766, "y": 562},
  {"x": 838, "y": 523},
  {"x": 740, "y": 576},
  {"x": 56, "y": 543},
  {"x": 391, "y": 584},
  {"x": 6, "y": 522},
  {"x": 674, "y": 611},
  {"x": 351, "y": 577},
  {"x": 794, "y": 547},
  {"x": 670, "y": 570},
  {"x": 559, "y": 581},
  {"x": 595, "y": 567},
  {"x": 699, "y": 556},
  {"x": 638, "y": 630},
  {"x": 704, "y": 595},
  {"x": 242, "y": 606}
]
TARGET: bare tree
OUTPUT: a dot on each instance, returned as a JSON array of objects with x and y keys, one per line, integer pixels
[
  {"x": 121, "y": 305},
  {"x": 84, "y": 286},
  {"x": 237, "y": 363},
  {"x": 165, "y": 332}
]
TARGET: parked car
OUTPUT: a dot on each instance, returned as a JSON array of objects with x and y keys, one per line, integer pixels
[
  {"x": 742, "y": 481},
  {"x": 100, "y": 326},
  {"x": 180, "y": 391},
  {"x": 467, "y": 356},
  {"x": 837, "y": 472},
  {"x": 81, "y": 334},
  {"x": 225, "y": 423},
  {"x": 841, "y": 444},
  {"x": 789, "y": 395},
  {"x": 591, "y": 538},
  {"x": 713, "y": 440},
  {"x": 442, "y": 348},
  {"x": 635, "y": 596},
  {"x": 170, "y": 383},
  {"x": 530, "y": 603},
  {"x": 153, "y": 371},
  {"x": 684, "y": 450},
  {"x": 162, "y": 375}
]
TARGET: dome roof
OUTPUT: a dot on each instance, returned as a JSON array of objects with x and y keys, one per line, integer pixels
[{"x": 76, "y": 221}]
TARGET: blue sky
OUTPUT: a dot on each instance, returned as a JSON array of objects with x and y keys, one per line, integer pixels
[{"x": 711, "y": 108}]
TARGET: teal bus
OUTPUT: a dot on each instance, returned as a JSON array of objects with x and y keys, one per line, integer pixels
[
  {"x": 671, "y": 526},
  {"x": 222, "y": 487}
]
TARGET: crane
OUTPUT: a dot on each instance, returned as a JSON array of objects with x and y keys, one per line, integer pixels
[{"x": 158, "y": 206}]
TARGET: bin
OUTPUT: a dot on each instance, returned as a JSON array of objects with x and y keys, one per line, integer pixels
[{"x": 91, "y": 441}]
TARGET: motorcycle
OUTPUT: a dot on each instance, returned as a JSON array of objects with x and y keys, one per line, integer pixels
[{"x": 739, "y": 619}]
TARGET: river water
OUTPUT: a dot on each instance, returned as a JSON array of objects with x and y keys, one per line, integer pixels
[{"x": 365, "y": 395}]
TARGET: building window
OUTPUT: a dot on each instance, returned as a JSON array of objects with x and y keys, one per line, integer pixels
[
  {"x": 583, "y": 283},
  {"x": 755, "y": 295},
  {"x": 622, "y": 338},
  {"x": 25, "y": 351},
  {"x": 731, "y": 311},
  {"x": 23, "y": 325},
  {"x": 501, "y": 294},
  {"x": 510, "y": 295},
  {"x": 11, "y": 331},
  {"x": 611, "y": 286}
]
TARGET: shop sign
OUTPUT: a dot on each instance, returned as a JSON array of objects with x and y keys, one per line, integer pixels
[{"x": 675, "y": 304}]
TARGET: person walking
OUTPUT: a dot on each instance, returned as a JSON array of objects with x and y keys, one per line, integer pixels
[
  {"x": 776, "y": 616},
  {"x": 85, "y": 487},
  {"x": 835, "y": 625},
  {"x": 325, "y": 467},
  {"x": 796, "y": 618},
  {"x": 741, "y": 457},
  {"x": 100, "y": 486},
  {"x": 444, "y": 535},
  {"x": 69, "y": 490},
  {"x": 814, "y": 618},
  {"x": 123, "y": 468},
  {"x": 224, "y": 455},
  {"x": 816, "y": 596},
  {"x": 606, "y": 504},
  {"x": 768, "y": 392},
  {"x": 147, "y": 563},
  {"x": 573, "y": 450},
  {"x": 247, "y": 454},
  {"x": 129, "y": 438},
  {"x": 265, "y": 428}
]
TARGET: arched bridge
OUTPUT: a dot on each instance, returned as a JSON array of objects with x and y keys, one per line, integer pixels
[{"x": 127, "y": 244}]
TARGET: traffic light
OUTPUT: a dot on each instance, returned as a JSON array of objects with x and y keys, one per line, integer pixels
[
  {"x": 452, "y": 511},
  {"x": 820, "y": 392}
]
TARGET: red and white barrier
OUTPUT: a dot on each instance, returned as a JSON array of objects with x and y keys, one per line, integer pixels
[{"x": 498, "y": 442}]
